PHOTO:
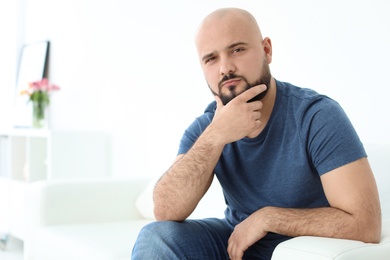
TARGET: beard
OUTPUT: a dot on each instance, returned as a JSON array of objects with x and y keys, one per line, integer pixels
[{"x": 264, "y": 78}]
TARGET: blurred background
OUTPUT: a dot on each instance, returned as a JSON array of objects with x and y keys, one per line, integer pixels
[{"x": 130, "y": 69}]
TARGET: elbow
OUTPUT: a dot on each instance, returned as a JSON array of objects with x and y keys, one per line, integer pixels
[
  {"x": 371, "y": 233},
  {"x": 164, "y": 214},
  {"x": 374, "y": 235},
  {"x": 160, "y": 215},
  {"x": 169, "y": 210},
  {"x": 371, "y": 237}
]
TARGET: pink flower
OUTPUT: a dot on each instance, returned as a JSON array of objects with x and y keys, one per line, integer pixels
[
  {"x": 38, "y": 91},
  {"x": 43, "y": 85},
  {"x": 40, "y": 85}
]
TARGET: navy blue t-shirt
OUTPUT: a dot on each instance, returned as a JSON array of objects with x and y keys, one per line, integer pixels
[{"x": 307, "y": 135}]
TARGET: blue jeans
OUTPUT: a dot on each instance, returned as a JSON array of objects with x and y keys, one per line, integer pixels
[{"x": 195, "y": 239}]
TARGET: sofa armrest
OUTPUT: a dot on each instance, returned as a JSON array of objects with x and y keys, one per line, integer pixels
[
  {"x": 320, "y": 248},
  {"x": 64, "y": 202}
]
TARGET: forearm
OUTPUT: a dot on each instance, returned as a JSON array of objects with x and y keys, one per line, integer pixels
[
  {"x": 323, "y": 222},
  {"x": 180, "y": 189}
]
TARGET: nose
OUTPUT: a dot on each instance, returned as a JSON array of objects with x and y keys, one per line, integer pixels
[{"x": 226, "y": 67}]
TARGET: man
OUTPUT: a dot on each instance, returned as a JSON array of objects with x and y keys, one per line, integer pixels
[{"x": 288, "y": 159}]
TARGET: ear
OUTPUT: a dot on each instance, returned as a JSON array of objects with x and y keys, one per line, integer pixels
[{"x": 267, "y": 46}]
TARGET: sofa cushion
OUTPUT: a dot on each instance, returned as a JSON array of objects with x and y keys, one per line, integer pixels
[
  {"x": 320, "y": 248},
  {"x": 100, "y": 241},
  {"x": 144, "y": 202}
]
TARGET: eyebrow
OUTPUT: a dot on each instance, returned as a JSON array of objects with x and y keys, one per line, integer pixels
[
  {"x": 207, "y": 56},
  {"x": 231, "y": 46}
]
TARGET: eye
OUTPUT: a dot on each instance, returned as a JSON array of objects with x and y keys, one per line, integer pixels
[
  {"x": 210, "y": 59},
  {"x": 238, "y": 49}
]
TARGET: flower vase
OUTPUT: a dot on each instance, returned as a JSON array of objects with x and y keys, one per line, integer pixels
[{"x": 39, "y": 115}]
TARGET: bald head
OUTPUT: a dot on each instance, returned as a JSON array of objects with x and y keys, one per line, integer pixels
[
  {"x": 228, "y": 20},
  {"x": 233, "y": 54}
]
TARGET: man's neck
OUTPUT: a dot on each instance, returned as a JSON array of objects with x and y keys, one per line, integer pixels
[
  {"x": 268, "y": 105},
  {"x": 269, "y": 101}
]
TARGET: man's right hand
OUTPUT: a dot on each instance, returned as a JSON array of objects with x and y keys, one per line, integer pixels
[{"x": 238, "y": 118}]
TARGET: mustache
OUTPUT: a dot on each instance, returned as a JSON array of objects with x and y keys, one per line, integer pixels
[{"x": 228, "y": 77}]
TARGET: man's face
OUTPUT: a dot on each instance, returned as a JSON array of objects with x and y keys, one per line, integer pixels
[{"x": 232, "y": 57}]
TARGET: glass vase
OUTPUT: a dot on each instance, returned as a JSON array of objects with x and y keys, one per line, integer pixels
[{"x": 39, "y": 115}]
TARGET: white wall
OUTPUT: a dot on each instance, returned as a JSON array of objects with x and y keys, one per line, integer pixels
[
  {"x": 130, "y": 67},
  {"x": 8, "y": 57}
]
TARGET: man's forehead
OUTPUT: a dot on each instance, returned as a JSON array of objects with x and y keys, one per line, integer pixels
[{"x": 218, "y": 40}]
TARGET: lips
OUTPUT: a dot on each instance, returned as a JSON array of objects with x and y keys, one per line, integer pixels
[{"x": 231, "y": 82}]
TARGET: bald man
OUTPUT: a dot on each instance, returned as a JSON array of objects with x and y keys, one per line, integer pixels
[{"x": 288, "y": 159}]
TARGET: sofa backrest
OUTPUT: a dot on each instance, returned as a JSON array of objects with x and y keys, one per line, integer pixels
[{"x": 59, "y": 202}]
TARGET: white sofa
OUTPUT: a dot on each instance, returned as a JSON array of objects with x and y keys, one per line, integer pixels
[{"x": 100, "y": 219}]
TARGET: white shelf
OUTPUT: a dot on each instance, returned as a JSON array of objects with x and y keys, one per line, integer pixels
[
  {"x": 25, "y": 132},
  {"x": 28, "y": 155}
]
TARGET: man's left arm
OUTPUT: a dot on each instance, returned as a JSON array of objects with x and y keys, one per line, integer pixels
[{"x": 354, "y": 212}]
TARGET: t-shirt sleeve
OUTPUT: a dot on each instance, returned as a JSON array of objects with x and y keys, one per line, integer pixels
[
  {"x": 190, "y": 136},
  {"x": 332, "y": 140},
  {"x": 192, "y": 133}
]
